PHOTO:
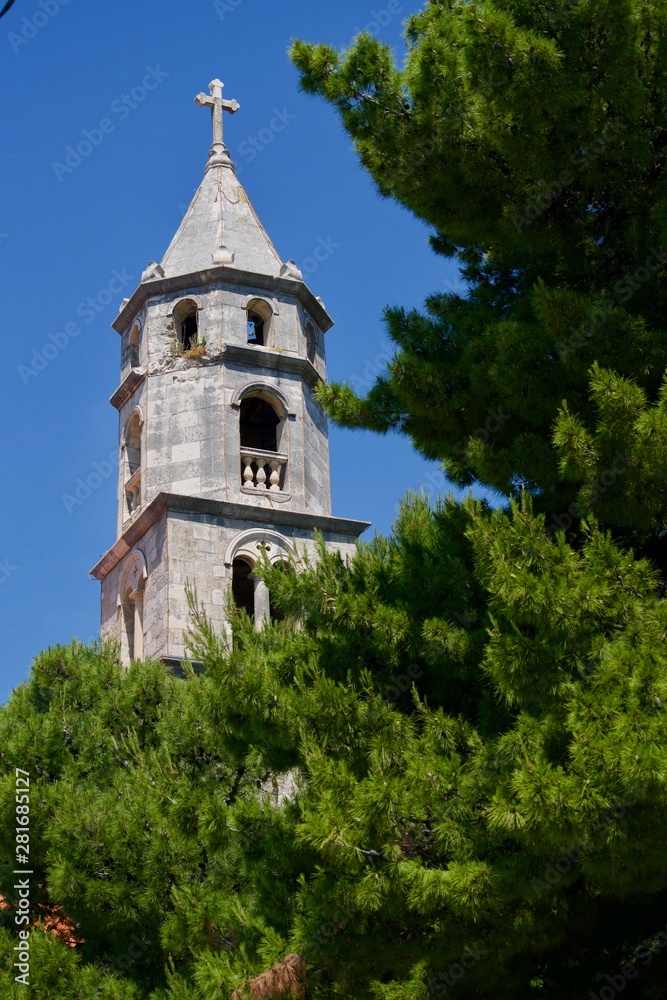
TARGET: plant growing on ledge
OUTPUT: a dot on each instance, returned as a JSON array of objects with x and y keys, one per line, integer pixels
[{"x": 195, "y": 353}]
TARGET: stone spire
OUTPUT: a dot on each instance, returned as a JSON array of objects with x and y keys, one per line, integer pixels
[{"x": 220, "y": 226}]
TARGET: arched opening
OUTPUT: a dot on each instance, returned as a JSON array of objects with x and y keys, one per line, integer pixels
[
  {"x": 311, "y": 343},
  {"x": 259, "y": 424},
  {"x": 133, "y": 464},
  {"x": 259, "y": 317},
  {"x": 134, "y": 346},
  {"x": 255, "y": 329},
  {"x": 263, "y": 440},
  {"x": 186, "y": 324},
  {"x": 243, "y": 586},
  {"x": 132, "y": 607}
]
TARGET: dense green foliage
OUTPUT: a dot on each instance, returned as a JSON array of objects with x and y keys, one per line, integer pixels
[
  {"x": 508, "y": 808},
  {"x": 443, "y": 772},
  {"x": 532, "y": 137}
]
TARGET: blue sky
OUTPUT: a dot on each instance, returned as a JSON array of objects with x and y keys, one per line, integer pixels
[{"x": 75, "y": 237}]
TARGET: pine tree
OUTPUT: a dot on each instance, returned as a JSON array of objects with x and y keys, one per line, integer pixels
[
  {"x": 443, "y": 771},
  {"x": 531, "y": 138}
]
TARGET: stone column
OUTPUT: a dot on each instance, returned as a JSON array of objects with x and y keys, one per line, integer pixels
[
  {"x": 137, "y": 597},
  {"x": 262, "y": 603}
]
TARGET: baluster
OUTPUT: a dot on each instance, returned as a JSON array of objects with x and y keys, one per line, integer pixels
[
  {"x": 248, "y": 474},
  {"x": 261, "y": 474},
  {"x": 274, "y": 465}
]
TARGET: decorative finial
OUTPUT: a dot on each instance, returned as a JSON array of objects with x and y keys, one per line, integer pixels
[{"x": 218, "y": 154}]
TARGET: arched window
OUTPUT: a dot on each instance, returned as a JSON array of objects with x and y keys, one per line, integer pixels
[
  {"x": 259, "y": 316},
  {"x": 243, "y": 586},
  {"x": 186, "y": 324},
  {"x": 263, "y": 440},
  {"x": 132, "y": 607},
  {"x": 133, "y": 463},
  {"x": 242, "y": 554},
  {"x": 134, "y": 346},
  {"x": 311, "y": 343},
  {"x": 259, "y": 423}
]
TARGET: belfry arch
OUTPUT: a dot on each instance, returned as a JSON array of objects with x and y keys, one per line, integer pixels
[
  {"x": 131, "y": 606},
  {"x": 242, "y": 555}
]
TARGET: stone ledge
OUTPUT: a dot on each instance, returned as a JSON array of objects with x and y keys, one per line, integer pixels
[
  {"x": 128, "y": 387},
  {"x": 267, "y": 357},
  {"x": 262, "y": 516}
]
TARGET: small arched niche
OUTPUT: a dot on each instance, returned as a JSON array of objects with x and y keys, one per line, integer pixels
[
  {"x": 134, "y": 346},
  {"x": 131, "y": 601},
  {"x": 259, "y": 322},
  {"x": 132, "y": 463},
  {"x": 186, "y": 324}
]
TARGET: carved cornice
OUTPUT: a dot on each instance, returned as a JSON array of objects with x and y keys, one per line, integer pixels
[
  {"x": 127, "y": 388},
  {"x": 279, "y": 361},
  {"x": 228, "y": 276},
  {"x": 168, "y": 502},
  {"x": 134, "y": 532}
]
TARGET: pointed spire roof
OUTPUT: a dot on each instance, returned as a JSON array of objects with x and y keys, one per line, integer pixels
[{"x": 220, "y": 226}]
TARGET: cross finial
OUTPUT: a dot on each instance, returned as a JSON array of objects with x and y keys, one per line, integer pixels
[{"x": 218, "y": 106}]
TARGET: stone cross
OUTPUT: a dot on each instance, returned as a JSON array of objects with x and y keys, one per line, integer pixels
[{"x": 217, "y": 106}]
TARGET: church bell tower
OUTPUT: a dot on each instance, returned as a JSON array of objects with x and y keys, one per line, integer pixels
[{"x": 223, "y": 450}]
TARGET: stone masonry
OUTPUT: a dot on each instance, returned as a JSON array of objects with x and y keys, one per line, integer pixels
[{"x": 223, "y": 449}]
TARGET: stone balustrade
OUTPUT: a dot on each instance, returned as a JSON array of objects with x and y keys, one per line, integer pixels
[{"x": 262, "y": 469}]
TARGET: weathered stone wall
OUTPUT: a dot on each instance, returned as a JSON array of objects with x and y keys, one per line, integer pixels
[
  {"x": 153, "y": 546},
  {"x": 201, "y": 551}
]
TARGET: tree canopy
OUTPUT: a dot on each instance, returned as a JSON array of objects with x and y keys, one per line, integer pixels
[{"x": 532, "y": 138}]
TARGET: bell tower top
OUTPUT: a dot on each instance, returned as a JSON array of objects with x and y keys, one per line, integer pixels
[
  {"x": 218, "y": 155},
  {"x": 223, "y": 444}
]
